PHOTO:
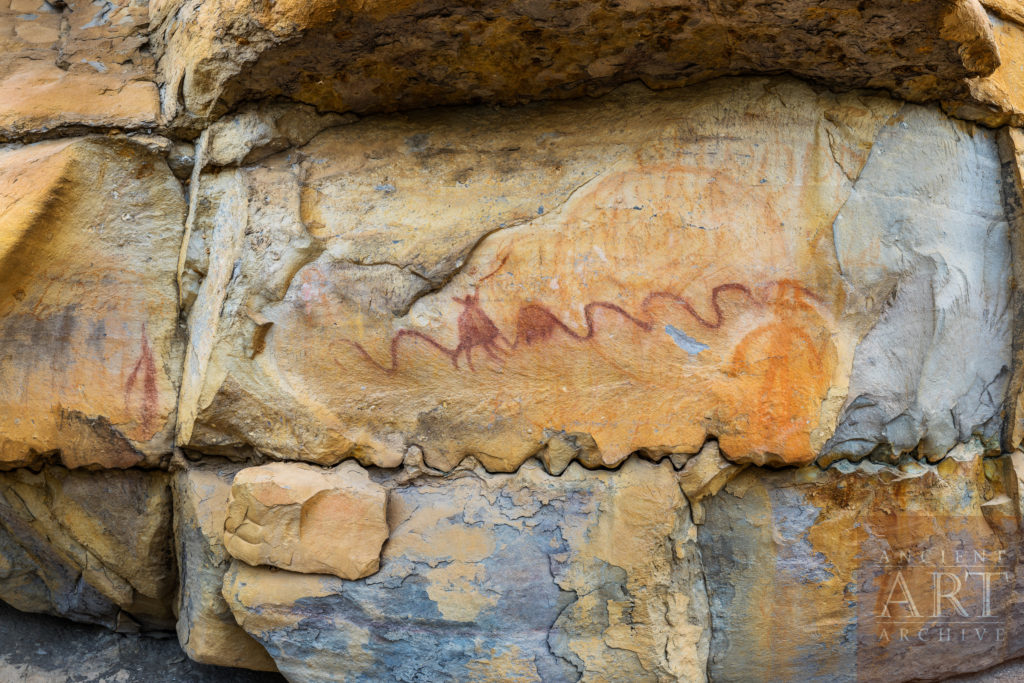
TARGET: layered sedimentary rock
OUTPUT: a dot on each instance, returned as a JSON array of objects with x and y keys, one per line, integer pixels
[
  {"x": 998, "y": 98},
  {"x": 68, "y": 65},
  {"x": 718, "y": 383},
  {"x": 347, "y": 56},
  {"x": 206, "y": 629},
  {"x": 306, "y": 519},
  {"x": 90, "y": 546},
  {"x": 866, "y": 573},
  {"x": 512, "y": 577},
  {"x": 1011, "y": 150}
]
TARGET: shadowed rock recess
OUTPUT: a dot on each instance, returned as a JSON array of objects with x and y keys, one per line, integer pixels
[{"x": 517, "y": 341}]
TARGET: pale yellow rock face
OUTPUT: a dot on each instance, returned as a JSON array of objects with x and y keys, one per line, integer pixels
[
  {"x": 307, "y": 519},
  {"x": 89, "y": 231},
  {"x": 206, "y": 629}
]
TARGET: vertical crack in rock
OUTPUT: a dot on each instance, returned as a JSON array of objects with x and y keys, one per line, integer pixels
[
  {"x": 710, "y": 613},
  {"x": 199, "y": 162},
  {"x": 226, "y": 243}
]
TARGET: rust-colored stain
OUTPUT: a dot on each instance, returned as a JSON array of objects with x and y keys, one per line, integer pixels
[{"x": 788, "y": 365}]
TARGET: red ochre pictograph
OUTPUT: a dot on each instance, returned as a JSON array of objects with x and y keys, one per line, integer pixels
[
  {"x": 146, "y": 367},
  {"x": 535, "y": 323}
]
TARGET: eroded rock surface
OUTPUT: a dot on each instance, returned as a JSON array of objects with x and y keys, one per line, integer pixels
[
  {"x": 69, "y": 65},
  {"x": 845, "y": 575},
  {"x": 718, "y": 383},
  {"x": 509, "y": 577},
  {"x": 89, "y": 546},
  {"x": 398, "y": 55},
  {"x": 206, "y": 629}
]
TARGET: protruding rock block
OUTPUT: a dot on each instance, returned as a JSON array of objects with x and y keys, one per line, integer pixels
[
  {"x": 89, "y": 546},
  {"x": 998, "y": 99},
  {"x": 257, "y": 131},
  {"x": 206, "y": 628},
  {"x": 307, "y": 519},
  {"x": 525, "y": 577},
  {"x": 90, "y": 355},
  {"x": 704, "y": 475}
]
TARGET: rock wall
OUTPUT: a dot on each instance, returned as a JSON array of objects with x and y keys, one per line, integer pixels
[{"x": 683, "y": 342}]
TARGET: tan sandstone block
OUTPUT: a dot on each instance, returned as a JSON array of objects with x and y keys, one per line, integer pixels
[
  {"x": 998, "y": 98},
  {"x": 206, "y": 629},
  {"x": 75, "y": 63},
  {"x": 591, "y": 575},
  {"x": 88, "y": 546},
  {"x": 39, "y": 97},
  {"x": 806, "y": 570},
  {"x": 307, "y": 519}
]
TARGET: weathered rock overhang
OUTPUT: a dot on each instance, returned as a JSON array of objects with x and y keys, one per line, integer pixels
[{"x": 348, "y": 56}]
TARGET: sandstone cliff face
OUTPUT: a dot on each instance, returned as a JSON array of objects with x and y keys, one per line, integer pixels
[
  {"x": 76, "y": 64},
  {"x": 587, "y": 376},
  {"x": 395, "y": 55}
]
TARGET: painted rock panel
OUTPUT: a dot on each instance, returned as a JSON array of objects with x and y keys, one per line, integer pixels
[
  {"x": 89, "y": 234},
  {"x": 637, "y": 273},
  {"x": 865, "y": 573},
  {"x": 506, "y": 577}
]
